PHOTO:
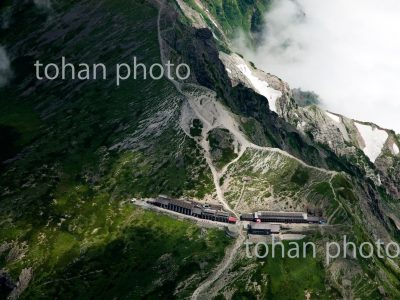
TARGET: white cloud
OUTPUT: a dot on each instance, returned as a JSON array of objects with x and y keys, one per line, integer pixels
[
  {"x": 5, "y": 70},
  {"x": 348, "y": 52}
]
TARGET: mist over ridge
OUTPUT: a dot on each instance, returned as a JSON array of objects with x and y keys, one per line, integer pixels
[{"x": 347, "y": 52}]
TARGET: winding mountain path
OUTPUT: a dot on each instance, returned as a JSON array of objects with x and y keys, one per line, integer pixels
[
  {"x": 231, "y": 251},
  {"x": 221, "y": 269},
  {"x": 213, "y": 114}
]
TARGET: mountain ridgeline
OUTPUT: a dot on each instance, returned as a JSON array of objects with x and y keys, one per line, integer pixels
[{"x": 76, "y": 153}]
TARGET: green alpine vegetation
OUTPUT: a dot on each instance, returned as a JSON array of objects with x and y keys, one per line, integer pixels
[
  {"x": 64, "y": 208},
  {"x": 234, "y": 15}
]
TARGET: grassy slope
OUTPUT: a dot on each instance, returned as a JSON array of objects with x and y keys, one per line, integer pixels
[
  {"x": 283, "y": 277},
  {"x": 222, "y": 149},
  {"x": 279, "y": 182},
  {"x": 234, "y": 15},
  {"x": 62, "y": 197},
  {"x": 133, "y": 254}
]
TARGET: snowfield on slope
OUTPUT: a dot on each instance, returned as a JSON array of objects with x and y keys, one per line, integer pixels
[
  {"x": 261, "y": 86},
  {"x": 334, "y": 118},
  {"x": 396, "y": 149},
  {"x": 374, "y": 140}
]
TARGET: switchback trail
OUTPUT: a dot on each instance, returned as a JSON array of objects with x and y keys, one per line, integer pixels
[{"x": 227, "y": 120}]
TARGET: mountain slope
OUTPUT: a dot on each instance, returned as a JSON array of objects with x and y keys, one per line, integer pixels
[
  {"x": 81, "y": 150},
  {"x": 95, "y": 146},
  {"x": 364, "y": 201}
]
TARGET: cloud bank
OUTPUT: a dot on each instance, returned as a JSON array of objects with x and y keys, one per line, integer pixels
[{"x": 348, "y": 52}]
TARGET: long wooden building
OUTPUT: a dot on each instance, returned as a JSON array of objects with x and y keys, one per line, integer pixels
[
  {"x": 195, "y": 209},
  {"x": 263, "y": 228},
  {"x": 282, "y": 217}
]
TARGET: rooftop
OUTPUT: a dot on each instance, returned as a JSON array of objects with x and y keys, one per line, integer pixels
[
  {"x": 265, "y": 226},
  {"x": 282, "y": 214}
]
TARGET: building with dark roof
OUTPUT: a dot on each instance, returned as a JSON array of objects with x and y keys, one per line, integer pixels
[
  {"x": 281, "y": 217},
  {"x": 263, "y": 228},
  {"x": 195, "y": 209}
]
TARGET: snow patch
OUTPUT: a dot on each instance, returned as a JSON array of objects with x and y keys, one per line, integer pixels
[
  {"x": 335, "y": 118},
  {"x": 374, "y": 140},
  {"x": 261, "y": 86},
  {"x": 396, "y": 149}
]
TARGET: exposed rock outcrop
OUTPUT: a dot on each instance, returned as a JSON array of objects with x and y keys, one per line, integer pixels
[{"x": 23, "y": 282}]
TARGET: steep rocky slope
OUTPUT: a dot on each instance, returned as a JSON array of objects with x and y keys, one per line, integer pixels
[{"x": 366, "y": 193}]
